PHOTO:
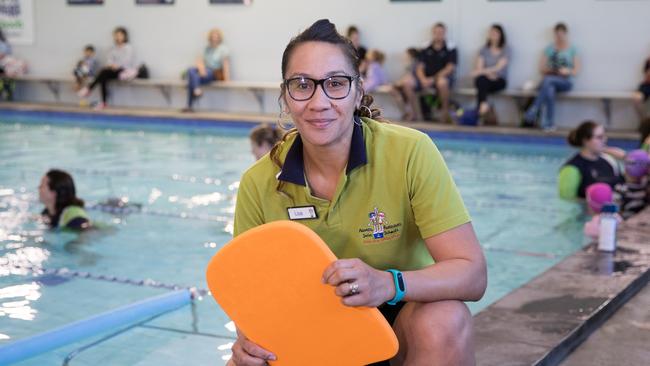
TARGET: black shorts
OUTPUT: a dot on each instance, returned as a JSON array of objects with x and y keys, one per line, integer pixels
[
  {"x": 419, "y": 87},
  {"x": 645, "y": 90},
  {"x": 389, "y": 312}
]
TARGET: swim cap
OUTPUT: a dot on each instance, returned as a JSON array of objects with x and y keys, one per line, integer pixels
[
  {"x": 597, "y": 195},
  {"x": 637, "y": 163}
]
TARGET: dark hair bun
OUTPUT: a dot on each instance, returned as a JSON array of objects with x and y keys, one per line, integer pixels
[
  {"x": 322, "y": 30},
  {"x": 580, "y": 134},
  {"x": 572, "y": 138}
]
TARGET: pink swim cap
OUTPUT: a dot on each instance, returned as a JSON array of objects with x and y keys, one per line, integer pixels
[
  {"x": 637, "y": 163},
  {"x": 597, "y": 195}
]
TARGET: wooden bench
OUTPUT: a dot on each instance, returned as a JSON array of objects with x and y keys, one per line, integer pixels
[
  {"x": 606, "y": 98},
  {"x": 520, "y": 95},
  {"x": 259, "y": 89},
  {"x": 52, "y": 83},
  {"x": 165, "y": 86}
]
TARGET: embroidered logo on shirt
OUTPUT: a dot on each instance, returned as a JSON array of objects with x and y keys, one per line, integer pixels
[
  {"x": 377, "y": 221},
  {"x": 379, "y": 229}
]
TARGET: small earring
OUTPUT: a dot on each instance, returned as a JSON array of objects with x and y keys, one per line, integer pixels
[
  {"x": 282, "y": 121},
  {"x": 367, "y": 109}
]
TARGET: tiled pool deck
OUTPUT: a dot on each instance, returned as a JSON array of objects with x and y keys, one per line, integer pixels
[
  {"x": 622, "y": 340},
  {"x": 543, "y": 321}
]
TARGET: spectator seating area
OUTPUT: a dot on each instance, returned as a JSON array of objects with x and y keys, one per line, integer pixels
[{"x": 259, "y": 91}]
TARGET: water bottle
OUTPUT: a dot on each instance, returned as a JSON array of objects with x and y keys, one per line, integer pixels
[{"x": 608, "y": 223}]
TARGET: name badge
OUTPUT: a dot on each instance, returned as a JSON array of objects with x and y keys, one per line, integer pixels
[{"x": 302, "y": 213}]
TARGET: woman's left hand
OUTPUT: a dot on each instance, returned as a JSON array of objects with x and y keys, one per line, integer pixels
[{"x": 358, "y": 284}]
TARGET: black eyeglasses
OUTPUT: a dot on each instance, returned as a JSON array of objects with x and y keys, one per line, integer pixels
[{"x": 335, "y": 87}]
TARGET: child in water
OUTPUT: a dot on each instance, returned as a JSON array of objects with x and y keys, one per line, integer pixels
[
  {"x": 263, "y": 138},
  {"x": 633, "y": 194},
  {"x": 597, "y": 194}
]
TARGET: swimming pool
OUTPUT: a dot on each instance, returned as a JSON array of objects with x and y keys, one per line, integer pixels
[{"x": 186, "y": 178}]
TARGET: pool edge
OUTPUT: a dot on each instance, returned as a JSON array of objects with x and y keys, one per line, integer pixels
[
  {"x": 543, "y": 321},
  {"x": 626, "y": 139}
]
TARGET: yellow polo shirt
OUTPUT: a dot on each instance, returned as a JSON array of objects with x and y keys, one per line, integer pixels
[{"x": 396, "y": 190}]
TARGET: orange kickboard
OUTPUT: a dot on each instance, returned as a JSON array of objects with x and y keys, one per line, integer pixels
[{"x": 268, "y": 281}]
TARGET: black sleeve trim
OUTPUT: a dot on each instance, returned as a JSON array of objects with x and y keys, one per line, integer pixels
[{"x": 77, "y": 223}]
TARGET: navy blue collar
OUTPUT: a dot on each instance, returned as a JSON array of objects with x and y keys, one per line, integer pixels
[{"x": 293, "y": 169}]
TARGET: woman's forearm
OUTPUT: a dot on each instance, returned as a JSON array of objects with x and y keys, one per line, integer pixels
[
  {"x": 454, "y": 279},
  {"x": 459, "y": 272},
  {"x": 497, "y": 68}
]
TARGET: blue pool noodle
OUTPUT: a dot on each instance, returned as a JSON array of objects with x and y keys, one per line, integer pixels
[{"x": 126, "y": 315}]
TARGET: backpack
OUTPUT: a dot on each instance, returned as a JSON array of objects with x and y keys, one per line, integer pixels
[{"x": 143, "y": 72}]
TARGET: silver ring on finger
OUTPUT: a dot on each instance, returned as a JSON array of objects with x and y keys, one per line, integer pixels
[{"x": 354, "y": 289}]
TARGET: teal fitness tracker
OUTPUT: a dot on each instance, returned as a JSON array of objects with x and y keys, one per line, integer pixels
[{"x": 400, "y": 287}]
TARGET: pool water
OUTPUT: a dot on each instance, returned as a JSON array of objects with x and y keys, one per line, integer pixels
[{"x": 186, "y": 179}]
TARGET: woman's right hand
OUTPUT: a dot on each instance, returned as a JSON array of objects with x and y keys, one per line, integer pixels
[{"x": 247, "y": 353}]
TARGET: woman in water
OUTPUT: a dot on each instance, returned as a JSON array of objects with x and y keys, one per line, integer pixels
[
  {"x": 594, "y": 163},
  {"x": 63, "y": 209}
]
